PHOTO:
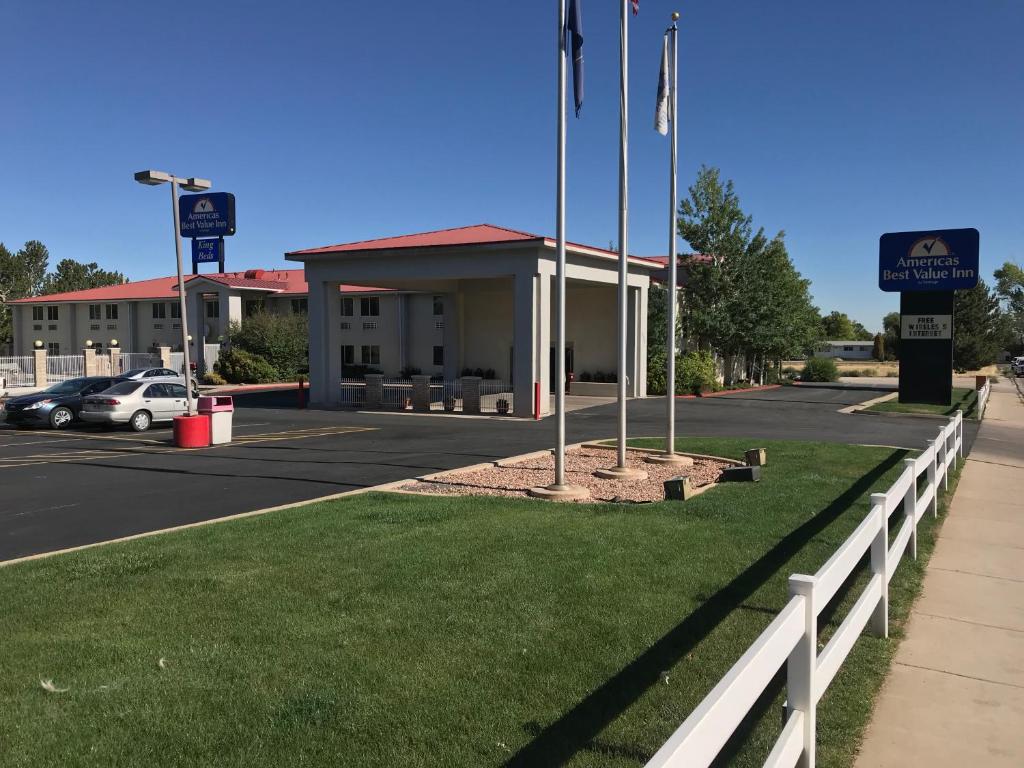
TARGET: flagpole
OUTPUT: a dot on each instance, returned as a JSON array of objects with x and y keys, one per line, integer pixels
[
  {"x": 670, "y": 446},
  {"x": 620, "y": 470},
  {"x": 559, "y": 489}
]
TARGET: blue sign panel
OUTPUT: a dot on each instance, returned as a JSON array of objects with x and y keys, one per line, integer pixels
[
  {"x": 935, "y": 260},
  {"x": 204, "y": 251},
  {"x": 207, "y": 215}
]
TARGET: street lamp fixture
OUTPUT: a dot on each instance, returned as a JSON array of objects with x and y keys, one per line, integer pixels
[{"x": 152, "y": 178}]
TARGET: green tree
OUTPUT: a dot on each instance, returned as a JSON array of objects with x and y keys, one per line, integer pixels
[
  {"x": 21, "y": 276},
  {"x": 878, "y": 349},
  {"x": 657, "y": 338},
  {"x": 891, "y": 329},
  {"x": 979, "y": 328},
  {"x": 1010, "y": 290},
  {"x": 837, "y": 326},
  {"x": 280, "y": 340},
  {"x": 72, "y": 275}
]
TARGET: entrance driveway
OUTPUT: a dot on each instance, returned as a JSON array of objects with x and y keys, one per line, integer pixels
[{"x": 65, "y": 489}]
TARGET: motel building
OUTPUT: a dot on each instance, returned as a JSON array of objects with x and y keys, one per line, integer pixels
[{"x": 479, "y": 297}]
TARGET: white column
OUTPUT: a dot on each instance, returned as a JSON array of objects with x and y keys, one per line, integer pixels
[
  {"x": 641, "y": 342},
  {"x": 524, "y": 321},
  {"x": 452, "y": 358},
  {"x": 542, "y": 357}
]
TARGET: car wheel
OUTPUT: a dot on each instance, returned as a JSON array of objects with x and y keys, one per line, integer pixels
[
  {"x": 141, "y": 421},
  {"x": 61, "y": 418}
]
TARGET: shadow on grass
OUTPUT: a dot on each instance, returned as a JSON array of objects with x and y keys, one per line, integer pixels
[{"x": 578, "y": 728}]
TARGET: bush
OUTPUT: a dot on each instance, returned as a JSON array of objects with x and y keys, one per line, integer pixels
[
  {"x": 409, "y": 371},
  {"x": 360, "y": 371},
  {"x": 585, "y": 376},
  {"x": 696, "y": 373},
  {"x": 282, "y": 341},
  {"x": 820, "y": 369},
  {"x": 212, "y": 377},
  {"x": 490, "y": 374},
  {"x": 240, "y": 367}
]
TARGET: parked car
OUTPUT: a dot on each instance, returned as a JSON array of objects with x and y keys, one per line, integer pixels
[
  {"x": 57, "y": 406},
  {"x": 1018, "y": 368},
  {"x": 136, "y": 403},
  {"x": 156, "y": 374}
]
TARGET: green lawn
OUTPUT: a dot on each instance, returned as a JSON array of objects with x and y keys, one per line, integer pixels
[
  {"x": 964, "y": 400},
  {"x": 389, "y": 630}
]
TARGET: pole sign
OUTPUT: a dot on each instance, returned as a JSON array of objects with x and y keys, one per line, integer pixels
[
  {"x": 926, "y": 327},
  {"x": 205, "y": 251},
  {"x": 935, "y": 260},
  {"x": 211, "y": 214}
]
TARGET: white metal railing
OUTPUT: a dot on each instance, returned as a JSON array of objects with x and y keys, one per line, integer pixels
[
  {"x": 792, "y": 637},
  {"x": 353, "y": 392},
  {"x": 496, "y": 396},
  {"x": 17, "y": 371},
  {"x": 396, "y": 394},
  {"x": 177, "y": 362},
  {"x": 446, "y": 395},
  {"x": 132, "y": 360},
  {"x": 64, "y": 367},
  {"x": 211, "y": 354}
]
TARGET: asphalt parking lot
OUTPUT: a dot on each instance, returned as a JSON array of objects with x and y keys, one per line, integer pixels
[{"x": 65, "y": 489}]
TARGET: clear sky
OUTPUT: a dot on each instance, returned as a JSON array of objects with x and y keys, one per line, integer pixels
[{"x": 339, "y": 121}]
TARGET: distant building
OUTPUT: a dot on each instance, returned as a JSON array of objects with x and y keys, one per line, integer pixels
[{"x": 847, "y": 350}]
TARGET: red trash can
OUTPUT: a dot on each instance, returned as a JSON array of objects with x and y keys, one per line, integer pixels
[{"x": 192, "y": 431}]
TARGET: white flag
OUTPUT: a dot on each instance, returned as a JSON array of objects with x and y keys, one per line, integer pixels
[{"x": 661, "y": 112}]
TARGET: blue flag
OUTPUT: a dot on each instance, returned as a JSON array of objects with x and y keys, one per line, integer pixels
[{"x": 575, "y": 32}]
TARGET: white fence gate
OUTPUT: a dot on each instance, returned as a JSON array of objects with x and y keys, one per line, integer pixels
[
  {"x": 177, "y": 361},
  {"x": 64, "y": 367},
  {"x": 792, "y": 638},
  {"x": 133, "y": 360},
  {"x": 17, "y": 372},
  {"x": 496, "y": 396}
]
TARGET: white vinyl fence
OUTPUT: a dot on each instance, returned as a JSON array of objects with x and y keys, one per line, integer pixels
[
  {"x": 133, "y": 360},
  {"x": 17, "y": 371},
  {"x": 983, "y": 394},
  {"x": 64, "y": 367},
  {"x": 177, "y": 362},
  {"x": 211, "y": 353},
  {"x": 792, "y": 638}
]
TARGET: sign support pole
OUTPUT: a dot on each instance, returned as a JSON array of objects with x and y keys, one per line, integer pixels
[{"x": 181, "y": 300}]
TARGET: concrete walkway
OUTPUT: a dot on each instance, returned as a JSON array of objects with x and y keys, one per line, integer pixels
[{"x": 955, "y": 694}]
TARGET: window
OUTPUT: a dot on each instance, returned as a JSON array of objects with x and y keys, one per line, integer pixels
[
  {"x": 159, "y": 311},
  {"x": 348, "y": 306},
  {"x": 53, "y": 348},
  {"x": 213, "y": 309},
  {"x": 37, "y": 313},
  {"x": 176, "y": 310},
  {"x": 847, "y": 349},
  {"x": 346, "y": 326},
  {"x": 370, "y": 354},
  {"x": 111, "y": 311},
  {"x": 438, "y": 305},
  {"x": 438, "y": 355},
  {"x": 439, "y": 325},
  {"x": 94, "y": 312},
  {"x": 155, "y": 390},
  {"x": 369, "y": 306},
  {"x": 348, "y": 354},
  {"x": 300, "y": 306},
  {"x": 370, "y": 325},
  {"x": 52, "y": 313},
  {"x": 38, "y": 327}
]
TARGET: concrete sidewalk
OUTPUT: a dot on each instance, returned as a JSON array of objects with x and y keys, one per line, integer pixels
[{"x": 955, "y": 693}]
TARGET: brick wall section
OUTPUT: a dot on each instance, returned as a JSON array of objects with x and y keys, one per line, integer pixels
[
  {"x": 40, "y": 366},
  {"x": 421, "y": 393},
  {"x": 471, "y": 394},
  {"x": 374, "y": 390}
]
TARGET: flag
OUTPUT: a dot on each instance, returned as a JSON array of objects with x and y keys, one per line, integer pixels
[
  {"x": 661, "y": 117},
  {"x": 575, "y": 31},
  {"x": 636, "y": 6}
]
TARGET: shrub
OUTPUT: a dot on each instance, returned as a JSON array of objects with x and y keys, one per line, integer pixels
[
  {"x": 696, "y": 373},
  {"x": 409, "y": 371},
  {"x": 240, "y": 367},
  {"x": 490, "y": 374},
  {"x": 599, "y": 377},
  {"x": 585, "y": 376},
  {"x": 869, "y": 372},
  {"x": 212, "y": 377},
  {"x": 819, "y": 369},
  {"x": 281, "y": 340},
  {"x": 853, "y": 373}
]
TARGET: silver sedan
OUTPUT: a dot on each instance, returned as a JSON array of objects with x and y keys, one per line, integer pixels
[{"x": 136, "y": 403}]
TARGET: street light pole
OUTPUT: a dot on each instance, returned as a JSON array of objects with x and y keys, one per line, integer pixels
[{"x": 181, "y": 298}]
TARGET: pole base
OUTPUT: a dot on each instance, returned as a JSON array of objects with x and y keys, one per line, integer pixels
[
  {"x": 621, "y": 473},
  {"x": 674, "y": 459},
  {"x": 560, "y": 493}
]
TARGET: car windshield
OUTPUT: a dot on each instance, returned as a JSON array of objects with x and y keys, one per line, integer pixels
[
  {"x": 134, "y": 372},
  {"x": 124, "y": 388},
  {"x": 69, "y": 387}
]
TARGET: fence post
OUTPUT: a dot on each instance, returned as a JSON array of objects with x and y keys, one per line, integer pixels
[
  {"x": 115, "y": 361},
  {"x": 421, "y": 393},
  {"x": 800, "y": 667},
  {"x": 933, "y": 444},
  {"x": 374, "y": 390},
  {"x": 910, "y": 504},
  {"x": 945, "y": 446},
  {"x": 960, "y": 429},
  {"x": 39, "y": 361},
  {"x": 471, "y": 394},
  {"x": 89, "y": 367},
  {"x": 165, "y": 356},
  {"x": 880, "y": 564}
]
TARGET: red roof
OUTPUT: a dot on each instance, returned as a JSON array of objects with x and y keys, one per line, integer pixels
[
  {"x": 477, "y": 234},
  {"x": 280, "y": 281}
]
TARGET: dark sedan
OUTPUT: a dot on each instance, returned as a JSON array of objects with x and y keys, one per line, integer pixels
[{"x": 57, "y": 406}]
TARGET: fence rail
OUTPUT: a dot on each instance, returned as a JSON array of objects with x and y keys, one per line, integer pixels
[
  {"x": 18, "y": 371},
  {"x": 64, "y": 367},
  {"x": 396, "y": 394},
  {"x": 792, "y": 637},
  {"x": 983, "y": 394}
]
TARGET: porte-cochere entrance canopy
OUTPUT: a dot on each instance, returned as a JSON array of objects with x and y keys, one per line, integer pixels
[{"x": 478, "y": 297}]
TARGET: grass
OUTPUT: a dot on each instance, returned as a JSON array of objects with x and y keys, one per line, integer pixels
[
  {"x": 963, "y": 399},
  {"x": 384, "y": 629}
]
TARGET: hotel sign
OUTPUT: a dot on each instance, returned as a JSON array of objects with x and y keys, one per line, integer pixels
[
  {"x": 936, "y": 260},
  {"x": 211, "y": 214}
]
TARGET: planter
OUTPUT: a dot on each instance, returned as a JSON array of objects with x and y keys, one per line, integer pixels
[{"x": 502, "y": 407}]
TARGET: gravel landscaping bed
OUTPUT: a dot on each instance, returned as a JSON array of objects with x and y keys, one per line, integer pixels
[{"x": 515, "y": 479}]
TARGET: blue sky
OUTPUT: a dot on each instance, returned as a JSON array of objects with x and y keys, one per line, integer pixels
[{"x": 334, "y": 122}]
